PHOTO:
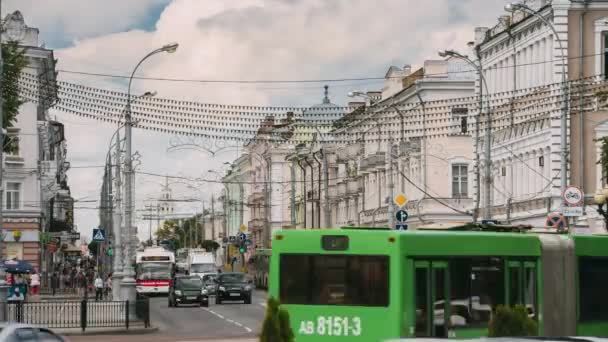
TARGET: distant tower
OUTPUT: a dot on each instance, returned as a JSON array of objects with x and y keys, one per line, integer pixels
[{"x": 166, "y": 204}]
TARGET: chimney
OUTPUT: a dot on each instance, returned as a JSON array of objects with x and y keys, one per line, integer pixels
[
  {"x": 480, "y": 34},
  {"x": 407, "y": 69}
]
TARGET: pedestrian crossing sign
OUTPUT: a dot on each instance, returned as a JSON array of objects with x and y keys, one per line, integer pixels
[{"x": 98, "y": 235}]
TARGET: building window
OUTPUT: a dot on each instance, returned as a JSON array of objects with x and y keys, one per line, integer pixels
[
  {"x": 460, "y": 116},
  {"x": 13, "y": 196},
  {"x": 541, "y": 161},
  {"x": 503, "y": 171},
  {"x": 460, "y": 182},
  {"x": 12, "y": 135}
]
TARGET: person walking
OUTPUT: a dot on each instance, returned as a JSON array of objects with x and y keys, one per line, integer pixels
[
  {"x": 35, "y": 282},
  {"x": 54, "y": 282},
  {"x": 98, "y": 288},
  {"x": 108, "y": 287}
]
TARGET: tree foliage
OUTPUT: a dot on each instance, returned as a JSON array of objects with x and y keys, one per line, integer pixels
[
  {"x": 210, "y": 245},
  {"x": 604, "y": 158},
  {"x": 180, "y": 231},
  {"x": 276, "y": 326},
  {"x": 14, "y": 60},
  {"x": 93, "y": 248},
  {"x": 512, "y": 321}
]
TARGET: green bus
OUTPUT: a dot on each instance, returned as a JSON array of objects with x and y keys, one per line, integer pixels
[{"x": 357, "y": 284}]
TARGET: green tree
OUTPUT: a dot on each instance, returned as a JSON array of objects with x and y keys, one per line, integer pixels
[
  {"x": 512, "y": 321},
  {"x": 14, "y": 60},
  {"x": 210, "y": 245},
  {"x": 276, "y": 326}
]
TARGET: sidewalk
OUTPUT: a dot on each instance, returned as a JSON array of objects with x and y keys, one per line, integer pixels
[{"x": 135, "y": 329}]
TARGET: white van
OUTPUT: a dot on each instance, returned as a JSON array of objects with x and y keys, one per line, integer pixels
[{"x": 201, "y": 263}]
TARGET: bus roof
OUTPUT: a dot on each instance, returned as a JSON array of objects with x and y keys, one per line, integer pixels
[{"x": 156, "y": 254}]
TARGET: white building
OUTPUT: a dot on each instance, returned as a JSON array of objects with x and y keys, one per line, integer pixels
[
  {"x": 521, "y": 62},
  {"x": 432, "y": 170},
  {"x": 37, "y": 198}
]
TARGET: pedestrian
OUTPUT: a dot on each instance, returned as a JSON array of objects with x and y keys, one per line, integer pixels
[
  {"x": 109, "y": 287},
  {"x": 16, "y": 296},
  {"x": 54, "y": 282},
  {"x": 82, "y": 284},
  {"x": 35, "y": 282},
  {"x": 98, "y": 288}
]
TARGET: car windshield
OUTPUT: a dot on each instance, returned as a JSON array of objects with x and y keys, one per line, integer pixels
[
  {"x": 202, "y": 268},
  {"x": 194, "y": 282},
  {"x": 232, "y": 278}
]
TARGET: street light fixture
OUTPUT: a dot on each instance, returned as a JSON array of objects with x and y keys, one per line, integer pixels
[
  {"x": 129, "y": 281},
  {"x": 512, "y": 7},
  {"x": 601, "y": 199}
]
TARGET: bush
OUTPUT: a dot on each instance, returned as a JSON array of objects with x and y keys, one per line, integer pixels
[
  {"x": 276, "y": 327},
  {"x": 510, "y": 322}
]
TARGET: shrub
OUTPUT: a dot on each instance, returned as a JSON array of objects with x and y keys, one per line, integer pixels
[
  {"x": 510, "y": 322},
  {"x": 276, "y": 326}
]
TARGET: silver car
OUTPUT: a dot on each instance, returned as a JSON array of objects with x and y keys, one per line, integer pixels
[{"x": 27, "y": 332}]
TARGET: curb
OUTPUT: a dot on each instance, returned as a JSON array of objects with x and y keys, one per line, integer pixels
[{"x": 118, "y": 331}]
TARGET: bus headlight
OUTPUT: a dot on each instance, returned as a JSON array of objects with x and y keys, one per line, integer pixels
[
  {"x": 178, "y": 292},
  {"x": 221, "y": 288},
  {"x": 247, "y": 288},
  {"x": 204, "y": 291}
]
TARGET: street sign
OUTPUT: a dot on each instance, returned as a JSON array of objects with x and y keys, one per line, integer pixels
[
  {"x": 248, "y": 242},
  {"x": 232, "y": 239},
  {"x": 74, "y": 236},
  {"x": 242, "y": 236},
  {"x": 401, "y": 226},
  {"x": 243, "y": 228},
  {"x": 400, "y": 200},
  {"x": 402, "y": 215},
  {"x": 556, "y": 220},
  {"x": 572, "y": 211},
  {"x": 573, "y": 196},
  {"x": 99, "y": 235}
]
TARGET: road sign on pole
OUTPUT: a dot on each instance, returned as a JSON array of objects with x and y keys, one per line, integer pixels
[
  {"x": 402, "y": 216},
  {"x": 401, "y": 226},
  {"x": 400, "y": 200},
  {"x": 573, "y": 196},
  {"x": 243, "y": 228},
  {"x": 99, "y": 235}
]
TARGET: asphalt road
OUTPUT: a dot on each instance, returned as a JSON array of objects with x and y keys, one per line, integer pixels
[{"x": 230, "y": 320}]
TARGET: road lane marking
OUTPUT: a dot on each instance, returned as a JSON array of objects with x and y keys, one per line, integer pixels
[{"x": 228, "y": 320}]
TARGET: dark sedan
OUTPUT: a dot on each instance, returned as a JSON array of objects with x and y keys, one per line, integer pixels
[
  {"x": 232, "y": 286},
  {"x": 188, "y": 290}
]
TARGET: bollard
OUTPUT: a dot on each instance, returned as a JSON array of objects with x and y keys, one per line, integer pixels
[{"x": 83, "y": 314}]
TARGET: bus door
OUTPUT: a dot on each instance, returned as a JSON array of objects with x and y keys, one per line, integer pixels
[{"x": 431, "y": 292}]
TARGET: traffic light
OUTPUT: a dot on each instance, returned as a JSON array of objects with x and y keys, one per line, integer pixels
[
  {"x": 243, "y": 249},
  {"x": 110, "y": 251}
]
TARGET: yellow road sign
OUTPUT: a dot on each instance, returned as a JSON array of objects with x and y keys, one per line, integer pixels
[
  {"x": 243, "y": 228},
  {"x": 400, "y": 200}
]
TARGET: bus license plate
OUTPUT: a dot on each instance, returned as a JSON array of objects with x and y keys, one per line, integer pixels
[
  {"x": 235, "y": 294},
  {"x": 191, "y": 298}
]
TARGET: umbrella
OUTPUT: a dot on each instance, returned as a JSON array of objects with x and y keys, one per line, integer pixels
[{"x": 17, "y": 266}]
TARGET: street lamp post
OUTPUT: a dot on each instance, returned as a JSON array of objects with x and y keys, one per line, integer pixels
[
  {"x": 487, "y": 209},
  {"x": 564, "y": 115},
  {"x": 128, "y": 282}
]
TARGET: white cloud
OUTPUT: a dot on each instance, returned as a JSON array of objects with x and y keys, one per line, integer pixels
[
  {"x": 273, "y": 39},
  {"x": 71, "y": 20}
]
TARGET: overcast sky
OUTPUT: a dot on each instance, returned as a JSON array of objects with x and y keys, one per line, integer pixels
[{"x": 236, "y": 39}]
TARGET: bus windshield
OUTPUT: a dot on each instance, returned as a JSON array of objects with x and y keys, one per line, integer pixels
[
  {"x": 154, "y": 271},
  {"x": 202, "y": 268},
  {"x": 360, "y": 280}
]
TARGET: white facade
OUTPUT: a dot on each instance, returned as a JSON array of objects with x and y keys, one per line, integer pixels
[{"x": 521, "y": 57}]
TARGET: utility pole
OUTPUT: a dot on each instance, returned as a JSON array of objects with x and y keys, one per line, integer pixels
[
  {"x": 212, "y": 218},
  {"x": 157, "y": 215},
  {"x": 2, "y": 247},
  {"x": 203, "y": 223},
  {"x": 118, "y": 236},
  {"x": 391, "y": 186},
  {"x": 327, "y": 201}
]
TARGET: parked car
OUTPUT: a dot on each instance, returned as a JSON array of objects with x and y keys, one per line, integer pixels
[
  {"x": 26, "y": 332},
  {"x": 233, "y": 286},
  {"x": 187, "y": 290}
]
